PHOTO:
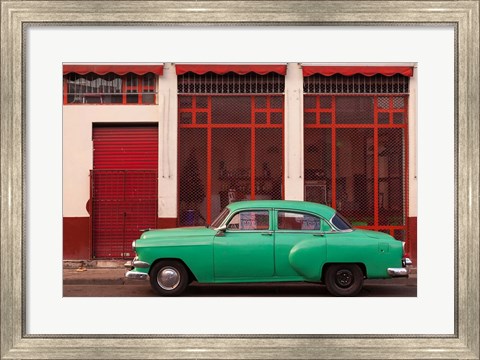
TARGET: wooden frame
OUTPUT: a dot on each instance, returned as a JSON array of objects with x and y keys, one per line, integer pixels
[{"x": 16, "y": 15}]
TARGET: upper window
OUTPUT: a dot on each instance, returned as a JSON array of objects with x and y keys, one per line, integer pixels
[
  {"x": 300, "y": 221},
  {"x": 110, "y": 89},
  {"x": 250, "y": 220}
]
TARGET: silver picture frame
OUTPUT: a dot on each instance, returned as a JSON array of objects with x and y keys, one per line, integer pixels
[{"x": 16, "y": 16}]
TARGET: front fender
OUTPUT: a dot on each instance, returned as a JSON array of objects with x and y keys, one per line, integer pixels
[{"x": 308, "y": 256}]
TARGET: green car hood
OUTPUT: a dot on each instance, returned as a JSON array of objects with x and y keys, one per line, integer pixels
[{"x": 178, "y": 236}]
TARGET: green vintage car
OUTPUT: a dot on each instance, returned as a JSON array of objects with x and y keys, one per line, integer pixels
[{"x": 268, "y": 241}]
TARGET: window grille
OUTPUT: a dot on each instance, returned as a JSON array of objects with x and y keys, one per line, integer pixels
[
  {"x": 356, "y": 84},
  {"x": 230, "y": 149},
  {"x": 110, "y": 89},
  {"x": 355, "y": 160},
  {"x": 231, "y": 83}
]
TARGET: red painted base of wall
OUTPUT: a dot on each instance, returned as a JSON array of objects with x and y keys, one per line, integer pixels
[
  {"x": 76, "y": 238},
  {"x": 412, "y": 239}
]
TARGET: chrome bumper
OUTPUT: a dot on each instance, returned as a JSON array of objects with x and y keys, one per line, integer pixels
[
  {"x": 132, "y": 274},
  {"x": 136, "y": 275},
  {"x": 135, "y": 263},
  {"x": 400, "y": 272}
]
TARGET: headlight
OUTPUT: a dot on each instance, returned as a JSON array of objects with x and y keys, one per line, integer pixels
[{"x": 133, "y": 245}]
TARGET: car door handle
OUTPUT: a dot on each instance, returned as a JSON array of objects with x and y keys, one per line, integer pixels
[
  {"x": 269, "y": 233},
  {"x": 319, "y": 235}
]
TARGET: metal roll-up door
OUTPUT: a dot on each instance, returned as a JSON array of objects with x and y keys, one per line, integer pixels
[{"x": 124, "y": 187}]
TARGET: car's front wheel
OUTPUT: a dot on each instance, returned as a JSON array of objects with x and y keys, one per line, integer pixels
[
  {"x": 344, "y": 279},
  {"x": 169, "y": 278}
]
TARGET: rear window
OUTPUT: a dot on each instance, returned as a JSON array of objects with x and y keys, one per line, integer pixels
[{"x": 340, "y": 222}]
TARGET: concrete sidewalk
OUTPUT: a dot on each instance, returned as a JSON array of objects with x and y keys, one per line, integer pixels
[{"x": 113, "y": 273}]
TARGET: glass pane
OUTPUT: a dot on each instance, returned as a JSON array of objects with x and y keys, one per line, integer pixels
[
  {"x": 383, "y": 102},
  {"x": 202, "y": 102},
  {"x": 297, "y": 221},
  {"x": 260, "y": 102},
  {"x": 354, "y": 110},
  {"x": 249, "y": 220},
  {"x": 276, "y": 118},
  {"x": 268, "y": 164},
  {"x": 231, "y": 110},
  {"x": 354, "y": 175},
  {"x": 383, "y": 118},
  {"x": 310, "y": 102},
  {"x": 391, "y": 169},
  {"x": 230, "y": 167},
  {"x": 192, "y": 176},
  {"x": 276, "y": 102},
  {"x": 148, "y": 98},
  {"x": 202, "y": 118},
  {"x": 310, "y": 118},
  {"x": 185, "y": 102},
  {"x": 260, "y": 118},
  {"x": 116, "y": 99},
  {"x": 325, "y": 102},
  {"x": 398, "y": 118},
  {"x": 326, "y": 118},
  {"x": 185, "y": 118},
  {"x": 398, "y": 102},
  {"x": 318, "y": 165},
  {"x": 132, "y": 99}
]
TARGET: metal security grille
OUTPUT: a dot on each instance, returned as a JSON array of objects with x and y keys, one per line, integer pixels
[
  {"x": 356, "y": 158},
  {"x": 124, "y": 202},
  {"x": 356, "y": 84},
  {"x": 123, "y": 187},
  {"x": 231, "y": 83},
  {"x": 230, "y": 149}
]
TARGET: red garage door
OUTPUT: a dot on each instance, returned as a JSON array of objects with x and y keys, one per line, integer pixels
[{"x": 124, "y": 187}]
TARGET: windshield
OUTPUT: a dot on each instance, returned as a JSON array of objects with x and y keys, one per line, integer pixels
[
  {"x": 340, "y": 222},
  {"x": 220, "y": 218}
]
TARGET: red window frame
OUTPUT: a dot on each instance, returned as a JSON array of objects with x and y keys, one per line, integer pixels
[
  {"x": 194, "y": 110},
  {"x": 391, "y": 109},
  {"x": 127, "y": 89}
]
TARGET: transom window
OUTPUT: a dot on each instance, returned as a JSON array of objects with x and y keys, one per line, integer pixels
[
  {"x": 250, "y": 220},
  {"x": 110, "y": 89}
]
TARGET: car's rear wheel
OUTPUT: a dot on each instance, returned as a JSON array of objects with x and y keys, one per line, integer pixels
[
  {"x": 169, "y": 278},
  {"x": 344, "y": 279}
]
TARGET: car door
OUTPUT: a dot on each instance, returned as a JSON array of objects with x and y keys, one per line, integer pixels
[
  {"x": 300, "y": 244},
  {"x": 245, "y": 249}
]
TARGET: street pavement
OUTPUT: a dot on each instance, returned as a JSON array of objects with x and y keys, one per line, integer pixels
[{"x": 85, "y": 281}]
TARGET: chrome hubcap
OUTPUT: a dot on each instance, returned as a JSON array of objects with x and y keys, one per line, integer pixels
[
  {"x": 344, "y": 278},
  {"x": 168, "y": 278}
]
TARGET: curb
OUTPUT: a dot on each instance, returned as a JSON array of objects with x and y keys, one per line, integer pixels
[{"x": 117, "y": 277}]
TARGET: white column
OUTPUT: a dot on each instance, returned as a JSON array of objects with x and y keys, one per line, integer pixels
[
  {"x": 167, "y": 143},
  {"x": 294, "y": 162},
  {"x": 412, "y": 146}
]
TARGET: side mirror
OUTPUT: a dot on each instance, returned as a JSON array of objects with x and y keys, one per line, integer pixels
[{"x": 221, "y": 230}]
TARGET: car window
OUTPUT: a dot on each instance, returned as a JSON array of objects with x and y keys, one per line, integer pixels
[
  {"x": 250, "y": 220},
  {"x": 340, "y": 222},
  {"x": 300, "y": 221}
]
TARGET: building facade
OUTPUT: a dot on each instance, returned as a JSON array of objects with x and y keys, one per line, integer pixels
[{"x": 166, "y": 145}]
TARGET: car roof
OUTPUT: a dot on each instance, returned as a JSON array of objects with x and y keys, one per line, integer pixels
[{"x": 320, "y": 209}]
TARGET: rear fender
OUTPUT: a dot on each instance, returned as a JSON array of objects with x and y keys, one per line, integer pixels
[{"x": 308, "y": 256}]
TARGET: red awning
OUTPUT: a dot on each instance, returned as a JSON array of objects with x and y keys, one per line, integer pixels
[
  {"x": 225, "y": 68},
  {"x": 84, "y": 69},
  {"x": 363, "y": 70}
]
